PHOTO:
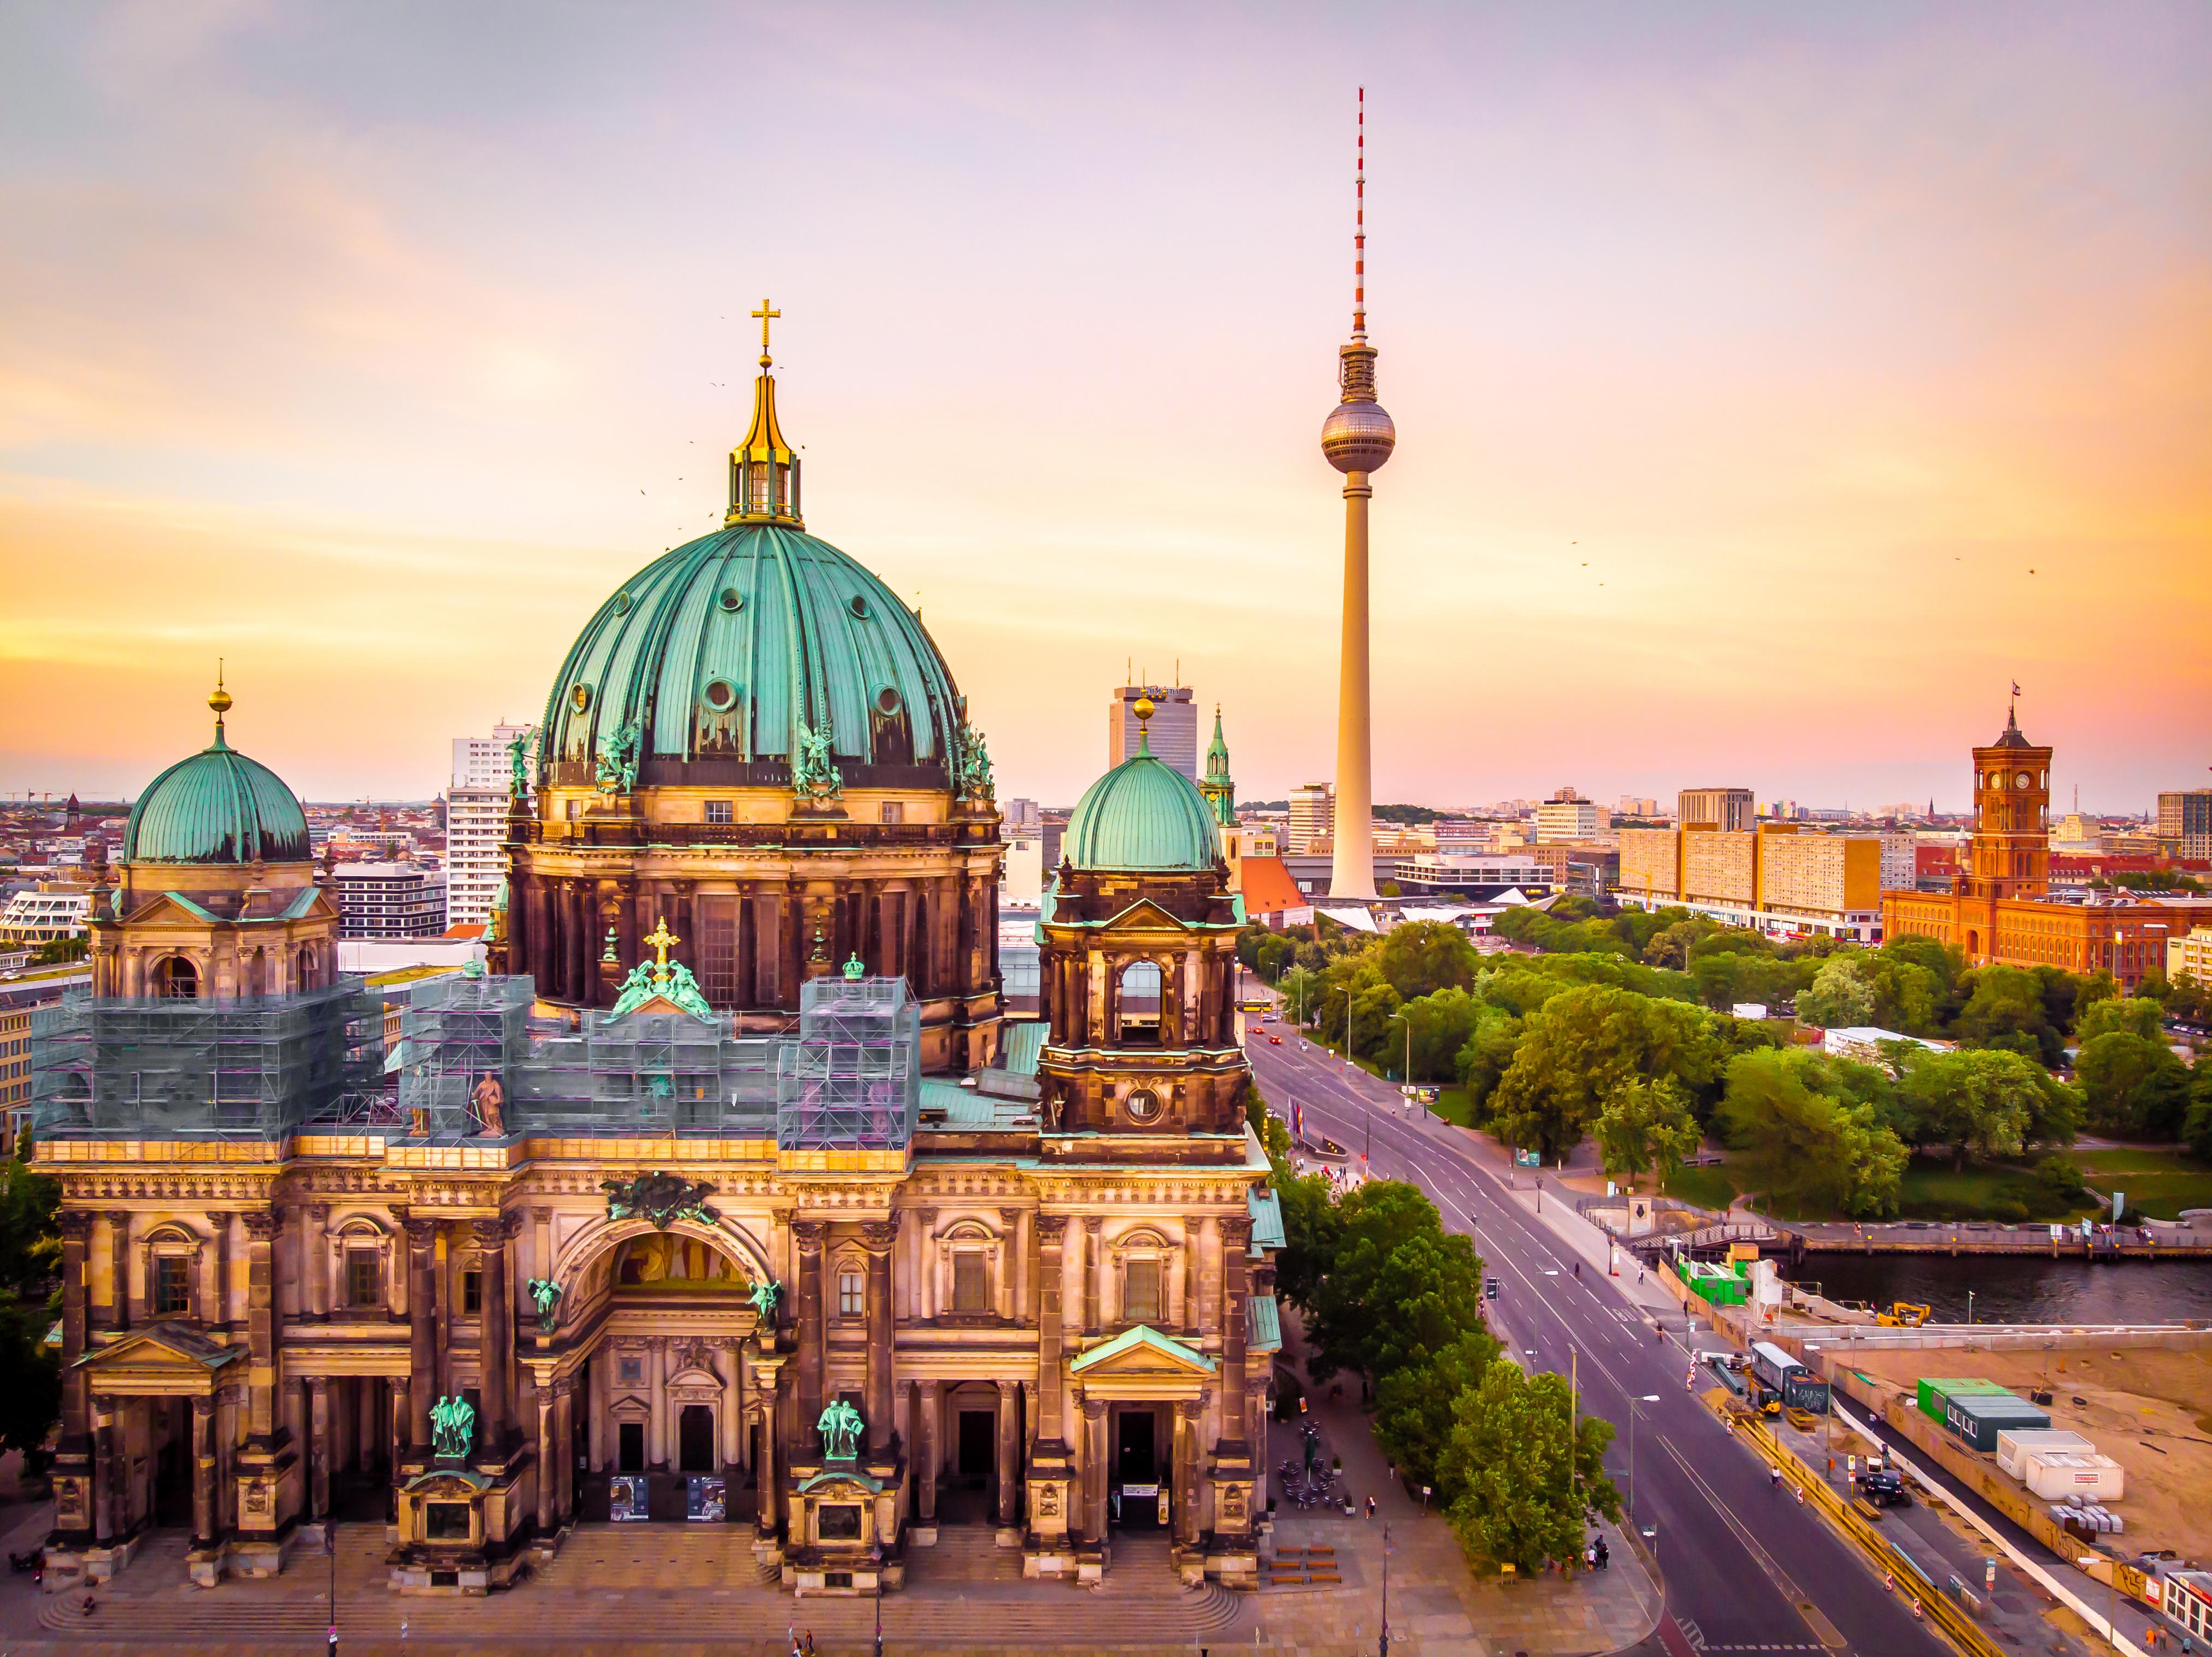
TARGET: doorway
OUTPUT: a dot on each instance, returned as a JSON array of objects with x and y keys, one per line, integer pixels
[{"x": 695, "y": 1439}]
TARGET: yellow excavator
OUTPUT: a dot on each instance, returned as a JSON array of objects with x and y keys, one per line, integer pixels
[{"x": 1903, "y": 1314}]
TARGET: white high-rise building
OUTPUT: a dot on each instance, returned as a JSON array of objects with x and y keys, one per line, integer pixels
[{"x": 476, "y": 824}]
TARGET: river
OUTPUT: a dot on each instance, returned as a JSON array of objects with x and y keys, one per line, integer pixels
[{"x": 2019, "y": 1289}]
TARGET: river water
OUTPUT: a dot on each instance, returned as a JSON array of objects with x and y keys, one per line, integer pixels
[{"x": 2019, "y": 1289}]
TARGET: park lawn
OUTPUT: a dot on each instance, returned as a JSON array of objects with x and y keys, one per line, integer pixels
[{"x": 2155, "y": 1180}]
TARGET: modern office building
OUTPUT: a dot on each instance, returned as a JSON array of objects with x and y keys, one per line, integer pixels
[
  {"x": 1312, "y": 817},
  {"x": 2185, "y": 817},
  {"x": 1566, "y": 816},
  {"x": 1722, "y": 809},
  {"x": 1172, "y": 730},
  {"x": 390, "y": 901}
]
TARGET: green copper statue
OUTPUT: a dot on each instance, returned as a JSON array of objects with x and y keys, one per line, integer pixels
[
  {"x": 453, "y": 1426},
  {"x": 839, "y": 1427}
]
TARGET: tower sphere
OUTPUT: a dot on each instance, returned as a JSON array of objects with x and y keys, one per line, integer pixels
[{"x": 1358, "y": 436}]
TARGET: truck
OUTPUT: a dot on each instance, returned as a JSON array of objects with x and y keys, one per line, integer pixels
[{"x": 1786, "y": 1378}]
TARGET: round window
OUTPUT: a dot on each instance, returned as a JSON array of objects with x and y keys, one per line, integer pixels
[
  {"x": 579, "y": 696},
  {"x": 732, "y": 598},
  {"x": 621, "y": 603},
  {"x": 1143, "y": 1105},
  {"x": 887, "y": 700},
  {"x": 858, "y": 607},
  {"x": 720, "y": 695}
]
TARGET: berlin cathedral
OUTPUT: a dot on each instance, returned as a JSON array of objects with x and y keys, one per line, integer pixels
[{"x": 728, "y": 1192}]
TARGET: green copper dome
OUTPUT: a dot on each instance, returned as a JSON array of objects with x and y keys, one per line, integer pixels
[
  {"x": 717, "y": 651},
  {"x": 217, "y": 807},
  {"x": 1143, "y": 815}
]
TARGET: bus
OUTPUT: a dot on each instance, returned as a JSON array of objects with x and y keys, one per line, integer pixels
[{"x": 1787, "y": 1379}]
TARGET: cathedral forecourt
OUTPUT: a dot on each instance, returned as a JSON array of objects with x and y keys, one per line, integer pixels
[{"x": 728, "y": 1194}]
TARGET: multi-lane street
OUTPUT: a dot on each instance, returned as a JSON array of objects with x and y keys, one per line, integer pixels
[{"x": 1747, "y": 1568}]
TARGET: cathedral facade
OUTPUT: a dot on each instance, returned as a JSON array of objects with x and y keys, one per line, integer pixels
[{"x": 673, "y": 1216}]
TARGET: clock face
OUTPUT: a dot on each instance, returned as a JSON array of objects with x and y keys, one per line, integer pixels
[
  {"x": 1143, "y": 1105},
  {"x": 2022, "y": 781}
]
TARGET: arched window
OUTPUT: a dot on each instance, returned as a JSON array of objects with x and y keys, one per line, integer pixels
[{"x": 177, "y": 979}]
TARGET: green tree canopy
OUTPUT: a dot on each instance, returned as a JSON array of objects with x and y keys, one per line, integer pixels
[
  {"x": 1525, "y": 1470},
  {"x": 1812, "y": 1146}
]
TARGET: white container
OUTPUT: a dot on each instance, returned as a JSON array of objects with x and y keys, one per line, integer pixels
[
  {"x": 2015, "y": 1441},
  {"x": 2055, "y": 1474}
]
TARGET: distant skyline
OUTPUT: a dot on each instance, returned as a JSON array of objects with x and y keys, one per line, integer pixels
[{"x": 1744, "y": 364}]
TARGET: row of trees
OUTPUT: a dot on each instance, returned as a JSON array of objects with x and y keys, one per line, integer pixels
[{"x": 1387, "y": 1293}]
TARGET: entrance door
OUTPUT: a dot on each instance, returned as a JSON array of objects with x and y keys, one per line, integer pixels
[
  {"x": 694, "y": 1440},
  {"x": 979, "y": 1444},
  {"x": 629, "y": 1447}
]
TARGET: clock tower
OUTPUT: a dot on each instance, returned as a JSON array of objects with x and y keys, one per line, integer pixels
[{"x": 2009, "y": 856}]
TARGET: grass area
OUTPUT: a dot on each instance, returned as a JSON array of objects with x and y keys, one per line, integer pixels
[
  {"x": 1708, "y": 1187},
  {"x": 2155, "y": 1180}
]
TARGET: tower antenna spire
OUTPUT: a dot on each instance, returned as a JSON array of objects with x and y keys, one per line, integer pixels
[{"x": 1360, "y": 227}]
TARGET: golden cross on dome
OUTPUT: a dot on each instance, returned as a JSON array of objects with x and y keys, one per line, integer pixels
[
  {"x": 659, "y": 939},
  {"x": 765, "y": 315}
]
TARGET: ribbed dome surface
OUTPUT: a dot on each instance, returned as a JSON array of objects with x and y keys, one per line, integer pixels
[
  {"x": 1143, "y": 815},
  {"x": 217, "y": 807},
  {"x": 718, "y": 647}
]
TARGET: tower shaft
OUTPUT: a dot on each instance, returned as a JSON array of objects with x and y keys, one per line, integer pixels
[{"x": 1351, "y": 867}]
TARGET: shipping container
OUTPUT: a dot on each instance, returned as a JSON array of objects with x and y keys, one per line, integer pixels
[
  {"x": 2053, "y": 1473},
  {"x": 2014, "y": 1442}
]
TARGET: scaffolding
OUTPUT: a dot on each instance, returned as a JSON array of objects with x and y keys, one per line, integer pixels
[
  {"x": 852, "y": 1079},
  {"x": 250, "y": 1067}
]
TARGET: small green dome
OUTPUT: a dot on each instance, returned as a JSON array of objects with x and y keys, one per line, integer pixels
[
  {"x": 217, "y": 807},
  {"x": 716, "y": 651},
  {"x": 1143, "y": 815}
]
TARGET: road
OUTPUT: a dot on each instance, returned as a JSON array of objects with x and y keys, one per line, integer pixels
[{"x": 1747, "y": 1568}]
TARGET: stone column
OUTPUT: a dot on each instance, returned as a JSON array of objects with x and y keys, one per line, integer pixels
[
  {"x": 203, "y": 1522},
  {"x": 1093, "y": 1269},
  {"x": 1010, "y": 1449},
  {"x": 423, "y": 1298},
  {"x": 924, "y": 1465},
  {"x": 549, "y": 1457},
  {"x": 879, "y": 1236},
  {"x": 318, "y": 1446},
  {"x": 261, "y": 1227},
  {"x": 119, "y": 1253},
  {"x": 496, "y": 1327},
  {"x": 1094, "y": 1470},
  {"x": 1185, "y": 1470},
  {"x": 1052, "y": 1232},
  {"x": 315, "y": 1245},
  {"x": 811, "y": 1333}
]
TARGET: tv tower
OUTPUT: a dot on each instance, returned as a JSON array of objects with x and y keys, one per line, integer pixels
[{"x": 1356, "y": 438}]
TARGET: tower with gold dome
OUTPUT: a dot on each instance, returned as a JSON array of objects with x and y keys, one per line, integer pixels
[{"x": 755, "y": 738}]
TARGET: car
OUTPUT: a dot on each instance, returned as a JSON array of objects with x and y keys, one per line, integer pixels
[{"x": 1274, "y": 1041}]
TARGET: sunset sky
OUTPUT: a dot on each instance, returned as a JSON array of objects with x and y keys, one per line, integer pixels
[{"x": 1774, "y": 385}]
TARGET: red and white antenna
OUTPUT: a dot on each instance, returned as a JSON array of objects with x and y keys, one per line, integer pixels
[{"x": 1360, "y": 230}]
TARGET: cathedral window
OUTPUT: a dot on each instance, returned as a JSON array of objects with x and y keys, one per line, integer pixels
[
  {"x": 971, "y": 1287},
  {"x": 173, "y": 1285},
  {"x": 851, "y": 1293}
]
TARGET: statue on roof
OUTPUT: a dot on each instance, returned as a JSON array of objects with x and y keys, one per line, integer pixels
[
  {"x": 814, "y": 773},
  {"x": 616, "y": 770}
]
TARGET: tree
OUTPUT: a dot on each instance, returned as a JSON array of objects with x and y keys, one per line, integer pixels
[
  {"x": 1841, "y": 995},
  {"x": 2136, "y": 1015},
  {"x": 1413, "y": 1408},
  {"x": 1811, "y": 1145},
  {"x": 1525, "y": 1468},
  {"x": 1398, "y": 1287},
  {"x": 2131, "y": 1086},
  {"x": 1646, "y": 1128},
  {"x": 1581, "y": 1045},
  {"x": 1422, "y": 957}
]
